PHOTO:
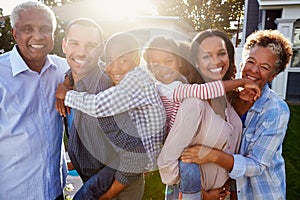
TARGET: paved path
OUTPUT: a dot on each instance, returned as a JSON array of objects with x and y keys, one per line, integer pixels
[
  {"x": 76, "y": 182},
  {"x": 73, "y": 181}
]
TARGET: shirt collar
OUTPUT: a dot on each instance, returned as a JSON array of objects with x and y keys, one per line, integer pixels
[{"x": 19, "y": 65}]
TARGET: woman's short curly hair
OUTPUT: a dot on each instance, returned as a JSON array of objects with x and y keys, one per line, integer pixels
[{"x": 273, "y": 40}]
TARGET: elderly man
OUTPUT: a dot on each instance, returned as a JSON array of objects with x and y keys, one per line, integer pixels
[{"x": 31, "y": 151}]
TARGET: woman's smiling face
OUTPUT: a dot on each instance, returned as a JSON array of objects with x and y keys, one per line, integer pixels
[
  {"x": 259, "y": 65},
  {"x": 212, "y": 58}
]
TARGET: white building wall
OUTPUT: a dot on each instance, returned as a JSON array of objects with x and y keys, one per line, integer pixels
[{"x": 279, "y": 84}]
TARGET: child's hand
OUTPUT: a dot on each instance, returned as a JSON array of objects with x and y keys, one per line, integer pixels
[
  {"x": 253, "y": 86},
  {"x": 60, "y": 96},
  {"x": 250, "y": 92},
  {"x": 61, "y": 91},
  {"x": 61, "y": 108}
]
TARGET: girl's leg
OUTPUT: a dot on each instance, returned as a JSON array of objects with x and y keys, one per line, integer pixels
[{"x": 190, "y": 182}]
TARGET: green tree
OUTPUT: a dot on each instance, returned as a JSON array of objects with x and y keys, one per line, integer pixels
[
  {"x": 203, "y": 14},
  {"x": 7, "y": 41},
  {"x": 6, "y": 38}
]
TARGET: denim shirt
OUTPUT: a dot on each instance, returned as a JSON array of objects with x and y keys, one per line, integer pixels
[{"x": 259, "y": 169}]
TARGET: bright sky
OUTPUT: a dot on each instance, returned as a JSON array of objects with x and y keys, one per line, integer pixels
[{"x": 8, "y": 5}]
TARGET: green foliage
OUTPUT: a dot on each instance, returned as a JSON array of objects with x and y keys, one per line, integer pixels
[
  {"x": 203, "y": 14},
  {"x": 58, "y": 37},
  {"x": 6, "y": 38},
  {"x": 57, "y": 3},
  {"x": 291, "y": 152},
  {"x": 154, "y": 188}
]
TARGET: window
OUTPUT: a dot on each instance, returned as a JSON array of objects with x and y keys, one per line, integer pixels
[{"x": 296, "y": 45}]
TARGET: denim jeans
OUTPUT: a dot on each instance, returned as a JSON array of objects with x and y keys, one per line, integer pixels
[
  {"x": 172, "y": 192},
  {"x": 190, "y": 182},
  {"x": 97, "y": 185}
]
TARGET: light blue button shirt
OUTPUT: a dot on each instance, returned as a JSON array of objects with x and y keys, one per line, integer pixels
[
  {"x": 31, "y": 152},
  {"x": 259, "y": 169}
]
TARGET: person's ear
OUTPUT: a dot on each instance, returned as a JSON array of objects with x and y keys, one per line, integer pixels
[
  {"x": 272, "y": 77},
  {"x": 137, "y": 58},
  {"x": 13, "y": 31},
  {"x": 101, "y": 49},
  {"x": 63, "y": 45}
]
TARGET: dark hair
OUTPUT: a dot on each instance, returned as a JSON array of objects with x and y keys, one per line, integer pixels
[
  {"x": 87, "y": 23},
  {"x": 178, "y": 48},
  {"x": 230, "y": 74},
  {"x": 120, "y": 44}
]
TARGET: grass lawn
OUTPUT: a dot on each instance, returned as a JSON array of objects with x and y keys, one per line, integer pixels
[
  {"x": 291, "y": 154},
  {"x": 154, "y": 189}
]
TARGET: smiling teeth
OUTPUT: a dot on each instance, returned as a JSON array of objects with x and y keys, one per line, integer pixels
[
  {"x": 216, "y": 70},
  {"x": 37, "y": 46},
  {"x": 78, "y": 61},
  {"x": 252, "y": 78}
]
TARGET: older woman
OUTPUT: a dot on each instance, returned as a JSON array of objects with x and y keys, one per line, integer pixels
[{"x": 259, "y": 167}]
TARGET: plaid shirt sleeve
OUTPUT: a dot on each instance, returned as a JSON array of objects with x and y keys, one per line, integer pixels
[
  {"x": 203, "y": 91},
  {"x": 137, "y": 94},
  {"x": 126, "y": 178},
  {"x": 115, "y": 100}
]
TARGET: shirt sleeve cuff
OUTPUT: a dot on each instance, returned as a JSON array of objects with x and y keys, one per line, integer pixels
[
  {"x": 68, "y": 98},
  {"x": 238, "y": 167},
  {"x": 126, "y": 178}
]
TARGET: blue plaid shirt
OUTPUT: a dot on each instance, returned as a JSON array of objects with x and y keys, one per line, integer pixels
[
  {"x": 137, "y": 94},
  {"x": 259, "y": 169}
]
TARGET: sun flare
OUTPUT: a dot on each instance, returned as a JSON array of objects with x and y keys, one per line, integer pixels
[{"x": 130, "y": 9}]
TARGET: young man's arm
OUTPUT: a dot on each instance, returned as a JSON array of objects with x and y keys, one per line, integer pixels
[
  {"x": 113, "y": 191},
  {"x": 115, "y": 100}
]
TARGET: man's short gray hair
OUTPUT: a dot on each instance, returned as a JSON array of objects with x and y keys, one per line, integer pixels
[{"x": 14, "y": 17}]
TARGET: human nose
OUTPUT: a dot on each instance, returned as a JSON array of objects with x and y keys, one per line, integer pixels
[
  {"x": 37, "y": 34},
  {"x": 112, "y": 67},
  {"x": 255, "y": 68},
  {"x": 82, "y": 50},
  {"x": 215, "y": 59}
]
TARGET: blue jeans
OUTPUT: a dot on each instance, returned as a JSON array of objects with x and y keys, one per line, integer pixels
[
  {"x": 172, "y": 192},
  {"x": 190, "y": 182},
  {"x": 97, "y": 185}
]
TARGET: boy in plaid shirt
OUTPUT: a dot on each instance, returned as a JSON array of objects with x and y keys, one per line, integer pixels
[{"x": 134, "y": 92}]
